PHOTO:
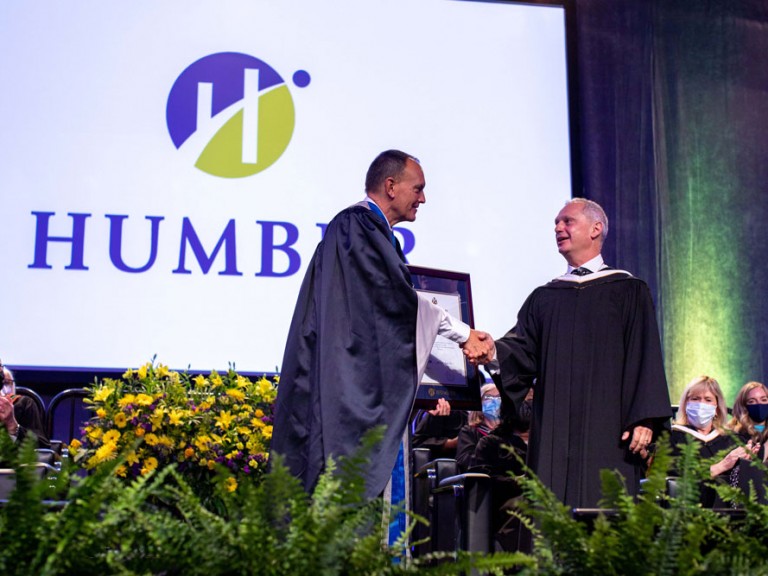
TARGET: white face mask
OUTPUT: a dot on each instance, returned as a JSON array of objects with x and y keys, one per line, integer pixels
[{"x": 700, "y": 414}]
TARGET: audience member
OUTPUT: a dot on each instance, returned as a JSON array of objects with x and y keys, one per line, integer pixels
[
  {"x": 499, "y": 453},
  {"x": 20, "y": 415},
  {"x": 480, "y": 424},
  {"x": 438, "y": 429},
  {"x": 702, "y": 415},
  {"x": 750, "y": 411}
]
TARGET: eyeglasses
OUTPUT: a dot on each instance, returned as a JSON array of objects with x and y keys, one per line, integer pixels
[{"x": 486, "y": 396}]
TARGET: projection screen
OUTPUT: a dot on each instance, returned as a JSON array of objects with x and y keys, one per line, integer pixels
[{"x": 168, "y": 167}]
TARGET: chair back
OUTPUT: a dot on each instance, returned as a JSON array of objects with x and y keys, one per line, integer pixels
[
  {"x": 66, "y": 414},
  {"x": 28, "y": 392}
]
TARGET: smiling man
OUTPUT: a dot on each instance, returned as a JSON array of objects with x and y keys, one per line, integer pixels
[
  {"x": 589, "y": 345},
  {"x": 361, "y": 335}
]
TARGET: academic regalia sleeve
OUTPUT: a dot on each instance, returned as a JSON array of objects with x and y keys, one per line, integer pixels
[
  {"x": 517, "y": 357},
  {"x": 645, "y": 394}
]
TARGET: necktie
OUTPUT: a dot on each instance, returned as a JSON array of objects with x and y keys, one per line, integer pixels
[{"x": 581, "y": 271}]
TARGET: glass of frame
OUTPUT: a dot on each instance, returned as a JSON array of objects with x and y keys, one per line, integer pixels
[{"x": 449, "y": 375}]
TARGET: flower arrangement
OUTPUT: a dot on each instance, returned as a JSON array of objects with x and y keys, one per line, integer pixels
[{"x": 156, "y": 417}]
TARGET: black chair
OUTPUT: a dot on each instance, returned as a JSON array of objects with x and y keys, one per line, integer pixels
[
  {"x": 463, "y": 506},
  {"x": 8, "y": 477},
  {"x": 28, "y": 392},
  {"x": 66, "y": 413},
  {"x": 48, "y": 456},
  {"x": 426, "y": 479},
  {"x": 7, "y": 482}
]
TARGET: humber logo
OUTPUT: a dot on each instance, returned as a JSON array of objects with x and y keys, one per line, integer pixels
[{"x": 232, "y": 113}]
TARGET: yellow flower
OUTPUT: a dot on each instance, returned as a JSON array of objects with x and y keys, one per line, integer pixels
[
  {"x": 242, "y": 381},
  {"x": 265, "y": 387},
  {"x": 132, "y": 458},
  {"x": 149, "y": 465},
  {"x": 162, "y": 371},
  {"x": 252, "y": 463},
  {"x": 202, "y": 442},
  {"x": 139, "y": 431},
  {"x": 257, "y": 423},
  {"x": 157, "y": 418},
  {"x": 200, "y": 380},
  {"x": 128, "y": 374},
  {"x": 125, "y": 400},
  {"x": 142, "y": 372},
  {"x": 112, "y": 436},
  {"x": 144, "y": 399},
  {"x": 211, "y": 464},
  {"x": 150, "y": 439},
  {"x": 101, "y": 413},
  {"x": 175, "y": 417},
  {"x": 189, "y": 452},
  {"x": 74, "y": 446},
  {"x": 231, "y": 484},
  {"x": 224, "y": 419},
  {"x": 238, "y": 395},
  {"x": 267, "y": 432},
  {"x": 106, "y": 452},
  {"x": 216, "y": 381},
  {"x": 120, "y": 420},
  {"x": 102, "y": 393},
  {"x": 121, "y": 471},
  {"x": 259, "y": 413},
  {"x": 165, "y": 441},
  {"x": 93, "y": 433}
]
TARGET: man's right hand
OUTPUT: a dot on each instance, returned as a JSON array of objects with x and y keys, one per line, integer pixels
[{"x": 479, "y": 348}]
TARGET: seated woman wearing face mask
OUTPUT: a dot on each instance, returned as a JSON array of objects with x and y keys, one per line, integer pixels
[
  {"x": 480, "y": 424},
  {"x": 750, "y": 411},
  {"x": 487, "y": 445},
  {"x": 702, "y": 415}
]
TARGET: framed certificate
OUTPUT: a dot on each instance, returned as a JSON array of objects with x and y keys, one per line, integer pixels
[{"x": 448, "y": 375}]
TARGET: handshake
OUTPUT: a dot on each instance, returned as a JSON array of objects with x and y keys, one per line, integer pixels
[{"x": 479, "y": 348}]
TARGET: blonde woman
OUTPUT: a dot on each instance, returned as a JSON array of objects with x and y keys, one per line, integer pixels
[
  {"x": 750, "y": 411},
  {"x": 702, "y": 415}
]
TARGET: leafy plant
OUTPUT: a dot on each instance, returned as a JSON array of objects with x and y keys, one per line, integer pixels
[
  {"x": 653, "y": 534},
  {"x": 156, "y": 524}
]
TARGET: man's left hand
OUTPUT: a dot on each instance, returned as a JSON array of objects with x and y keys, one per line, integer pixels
[{"x": 641, "y": 437}]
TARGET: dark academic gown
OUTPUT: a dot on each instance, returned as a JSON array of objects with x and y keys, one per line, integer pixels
[
  {"x": 350, "y": 358},
  {"x": 592, "y": 347}
]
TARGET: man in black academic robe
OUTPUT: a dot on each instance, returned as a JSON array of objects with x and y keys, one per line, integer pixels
[
  {"x": 588, "y": 342},
  {"x": 360, "y": 334}
]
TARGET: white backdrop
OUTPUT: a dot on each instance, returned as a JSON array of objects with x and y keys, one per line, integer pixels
[{"x": 476, "y": 90}]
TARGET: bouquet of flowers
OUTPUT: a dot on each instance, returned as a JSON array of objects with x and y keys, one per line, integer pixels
[{"x": 157, "y": 416}]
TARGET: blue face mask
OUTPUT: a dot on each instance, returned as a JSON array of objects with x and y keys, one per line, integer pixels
[
  {"x": 758, "y": 412},
  {"x": 492, "y": 407}
]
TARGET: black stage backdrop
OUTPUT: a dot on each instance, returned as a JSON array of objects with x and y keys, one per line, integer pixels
[{"x": 673, "y": 113}]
